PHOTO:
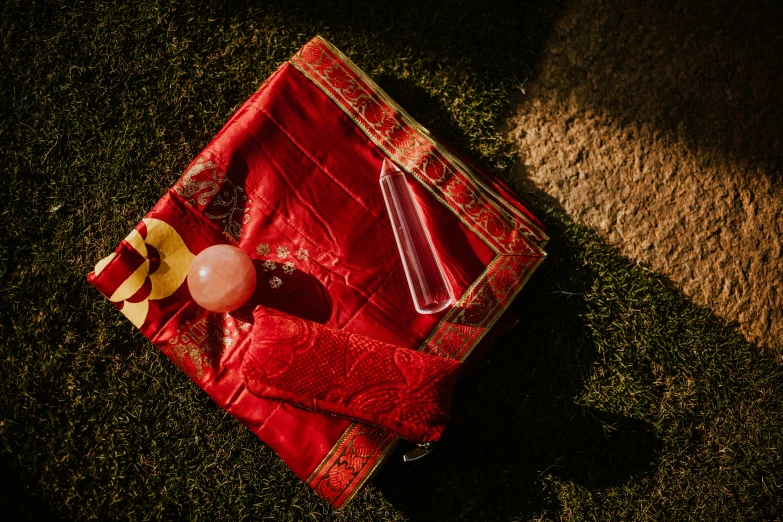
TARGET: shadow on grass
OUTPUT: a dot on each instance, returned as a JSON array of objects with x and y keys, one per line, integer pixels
[
  {"x": 463, "y": 52},
  {"x": 17, "y": 504},
  {"x": 515, "y": 424},
  {"x": 705, "y": 73}
]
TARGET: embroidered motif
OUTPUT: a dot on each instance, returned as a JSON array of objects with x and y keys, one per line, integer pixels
[
  {"x": 188, "y": 186},
  {"x": 282, "y": 252},
  {"x": 269, "y": 265},
  {"x": 379, "y": 384},
  {"x": 205, "y": 187},
  {"x": 351, "y": 461},
  {"x": 466, "y": 322},
  {"x": 289, "y": 268},
  {"x": 302, "y": 254},
  {"x": 275, "y": 282},
  {"x": 202, "y": 342},
  {"x": 263, "y": 249}
]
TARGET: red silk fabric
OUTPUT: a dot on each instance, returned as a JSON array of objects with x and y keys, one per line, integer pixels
[
  {"x": 322, "y": 369},
  {"x": 292, "y": 179}
]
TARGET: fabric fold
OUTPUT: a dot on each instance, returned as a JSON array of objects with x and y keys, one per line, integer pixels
[
  {"x": 331, "y": 371},
  {"x": 292, "y": 180}
]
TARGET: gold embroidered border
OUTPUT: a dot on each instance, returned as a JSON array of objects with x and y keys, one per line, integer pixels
[
  {"x": 337, "y": 444},
  {"x": 537, "y": 232},
  {"x": 401, "y": 138},
  {"x": 349, "y": 465},
  {"x": 482, "y": 287},
  {"x": 379, "y": 460}
]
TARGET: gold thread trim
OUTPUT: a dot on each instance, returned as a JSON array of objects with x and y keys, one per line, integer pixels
[
  {"x": 528, "y": 274},
  {"x": 386, "y": 150},
  {"x": 460, "y": 302},
  {"x": 394, "y": 441},
  {"x": 382, "y": 456},
  {"x": 337, "y": 444},
  {"x": 376, "y": 89}
]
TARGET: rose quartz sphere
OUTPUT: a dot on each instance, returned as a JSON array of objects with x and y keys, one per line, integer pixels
[{"x": 221, "y": 278}]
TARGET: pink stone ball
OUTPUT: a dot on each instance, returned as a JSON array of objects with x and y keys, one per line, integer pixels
[{"x": 221, "y": 278}]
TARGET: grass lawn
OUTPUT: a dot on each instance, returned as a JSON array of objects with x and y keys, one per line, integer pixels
[{"x": 614, "y": 398}]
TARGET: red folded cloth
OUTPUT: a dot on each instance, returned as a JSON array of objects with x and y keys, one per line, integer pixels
[
  {"x": 322, "y": 369},
  {"x": 292, "y": 180}
]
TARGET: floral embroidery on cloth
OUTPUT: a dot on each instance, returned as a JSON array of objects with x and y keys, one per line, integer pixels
[
  {"x": 206, "y": 187},
  {"x": 201, "y": 342},
  {"x": 282, "y": 252},
  {"x": 322, "y": 369}
]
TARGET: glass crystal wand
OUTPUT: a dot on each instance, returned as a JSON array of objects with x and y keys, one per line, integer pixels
[{"x": 429, "y": 288}]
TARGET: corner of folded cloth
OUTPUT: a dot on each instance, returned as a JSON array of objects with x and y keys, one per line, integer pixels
[{"x": 331, "y": 371}]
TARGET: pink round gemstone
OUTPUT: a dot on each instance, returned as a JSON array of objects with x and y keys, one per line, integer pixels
[{"x": 221, "y": 278}]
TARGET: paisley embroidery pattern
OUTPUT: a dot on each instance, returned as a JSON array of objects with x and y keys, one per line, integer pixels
[
  {"x": 468, "y": 321},
  {"x": 206, "y": 187},
  {"x": 353, "y": 459}
]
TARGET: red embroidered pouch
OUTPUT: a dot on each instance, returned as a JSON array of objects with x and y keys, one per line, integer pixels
[{"x": 323, "y": 369}]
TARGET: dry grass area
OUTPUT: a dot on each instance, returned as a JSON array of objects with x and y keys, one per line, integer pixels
[{"x": 661, "y": 129}]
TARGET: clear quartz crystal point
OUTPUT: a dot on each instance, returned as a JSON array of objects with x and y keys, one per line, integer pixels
[{"x": 428, "y": 285}]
